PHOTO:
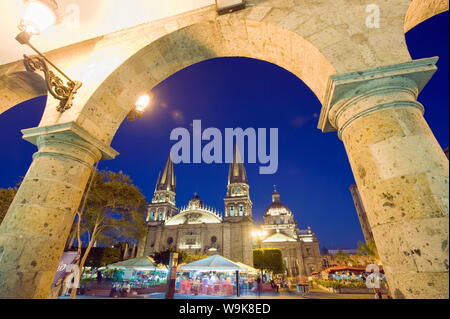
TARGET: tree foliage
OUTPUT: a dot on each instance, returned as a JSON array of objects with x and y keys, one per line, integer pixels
[
  {"x": 103, "y": 256},
  {"x": 6, "y": 198},
  {"x": 115, "y": 209},
  {"x": 191, "y": 258},
  {"x": 163, "y": 257},
  {"x": 342, "y": 258},
  {"x": 268, "y": 259},
  {"x": 112, "y": 210},
  {"x": 369, "y": 250}
]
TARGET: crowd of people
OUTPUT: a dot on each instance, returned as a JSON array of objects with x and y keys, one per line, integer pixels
[{"x": 120, "y": 289}]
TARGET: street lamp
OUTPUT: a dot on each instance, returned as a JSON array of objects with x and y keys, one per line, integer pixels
[
  {"x": 259, "y": 235},
  {"x": 38, "y": 16},
  {"x": 139, "y": 107}
]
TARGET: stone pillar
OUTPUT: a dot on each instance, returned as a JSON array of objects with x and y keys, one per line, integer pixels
[
  {"x": 38, "y": 222},
  {"x": 400, "y": 170}
]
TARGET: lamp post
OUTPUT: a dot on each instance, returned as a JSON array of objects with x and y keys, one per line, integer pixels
[
  {"x": 259, "y": 235},
  {"x": 38, "y": 16},
  {"x": 172, "y": 275}
]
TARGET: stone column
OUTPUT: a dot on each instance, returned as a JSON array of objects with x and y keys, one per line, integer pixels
[
  {"x": 38, "y": 222},
  {"x": 400, "y": 169}
]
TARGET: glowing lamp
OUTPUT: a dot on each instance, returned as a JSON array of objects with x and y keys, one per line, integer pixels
[
  {"x": 38, "y": 16},
  {"x": 139, "y": 107},
  {"x": 259, "y": 234},
  {"x": 142, "y": 103}
]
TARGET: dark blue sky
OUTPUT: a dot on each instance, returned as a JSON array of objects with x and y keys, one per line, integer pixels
[{"x": 314, "y": 173}]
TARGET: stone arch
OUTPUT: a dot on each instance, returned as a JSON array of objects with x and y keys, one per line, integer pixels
[
  {"x": 421, "y": 10},
  {"x": 18, "y": 87},
  {"x": 112, "y": 101},
  {"x": 375, "y": 90}
]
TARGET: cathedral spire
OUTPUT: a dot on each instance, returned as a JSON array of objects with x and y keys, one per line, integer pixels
[
  {"x": 163, "y": 204},
  {"x": 237, "y": 173},
  {"x": 238, "y": 206},
  {"x": 166, "y": 180}
]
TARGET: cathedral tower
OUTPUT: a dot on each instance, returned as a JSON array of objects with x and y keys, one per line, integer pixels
[
  {"x": 163, "y": 206},
  {"x": 238, "y": 205}
]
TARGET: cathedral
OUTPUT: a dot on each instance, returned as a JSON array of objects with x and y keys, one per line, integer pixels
[{"x": 199, "y": 229}]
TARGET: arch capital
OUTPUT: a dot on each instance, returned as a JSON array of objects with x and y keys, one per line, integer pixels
[
  {"x": 69, "y": 140},
  {"x": 353, "y": 95}
]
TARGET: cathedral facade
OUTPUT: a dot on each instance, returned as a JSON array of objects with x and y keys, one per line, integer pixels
[{"x": 202, "y": 230}]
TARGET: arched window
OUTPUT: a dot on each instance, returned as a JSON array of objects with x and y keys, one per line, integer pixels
[
  {"x": 152, "y": 215},
  {"x": 231, "y": 210},
  {"x": 160, "y": 215},
  {"x": 241, "y": 210}
]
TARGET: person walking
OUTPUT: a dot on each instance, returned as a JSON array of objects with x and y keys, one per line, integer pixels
[
  {"x": 378, "y": 294},
  {"x": 99, "y": 276},
  {"x": 274, "y": 285},
  {"x": 258, "y": 286}
]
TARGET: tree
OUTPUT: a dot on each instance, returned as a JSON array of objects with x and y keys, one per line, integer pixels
[
  {"x": 112, "y": 209},
  {"x": 369, "y": 250},
  {"x": 191, "y": 258},
  {"x": 268, "y": 259},
  {"x": 6, "y": 198},
  {"x": 163, "y": 257},
  {"x": 103, "y": 256},
  {"x": 343, "y": 258}
]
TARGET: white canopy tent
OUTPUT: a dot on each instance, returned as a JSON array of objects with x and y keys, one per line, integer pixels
[
  {"x": 247, "y": 268},
  {"x": 218, "y": 263},
  {"x": 215, "y": 263},
  {"x": 145, "y": 263}
]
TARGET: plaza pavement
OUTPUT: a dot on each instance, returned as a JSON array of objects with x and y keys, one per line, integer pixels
[{"x": 312, "y": 294}]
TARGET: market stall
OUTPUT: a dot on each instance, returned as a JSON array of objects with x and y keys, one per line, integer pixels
[
  {"x": 214, "y": 275},
  {"x": 141, "y": 272},
  {"x": 346, "y": 272}
]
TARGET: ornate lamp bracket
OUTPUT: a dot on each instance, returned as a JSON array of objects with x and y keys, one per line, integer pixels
[{"x": 55, "y": 85}]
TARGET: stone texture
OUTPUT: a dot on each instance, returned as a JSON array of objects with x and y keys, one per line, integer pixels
[
  {"x": 400, "y": 170},
  {"x": 313, "y": 40},
  {"x": 19, "y": 87},
  {"x": 421, "y": 10},
  {"x": 35, "y": 229}
]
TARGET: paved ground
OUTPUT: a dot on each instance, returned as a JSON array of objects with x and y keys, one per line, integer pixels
[{"x": 313, "y": 294}]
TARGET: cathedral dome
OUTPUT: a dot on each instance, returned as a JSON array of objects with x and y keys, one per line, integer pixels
[{"x": 277, "y": 208}]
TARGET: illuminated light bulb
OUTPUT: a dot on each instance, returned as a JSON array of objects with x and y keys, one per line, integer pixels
[
  {"x": 142, "y": 103},
  {"x": 38, "y": 16}
]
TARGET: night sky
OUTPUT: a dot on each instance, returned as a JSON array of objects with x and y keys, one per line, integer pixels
[{"x": 314, "y": 174}]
